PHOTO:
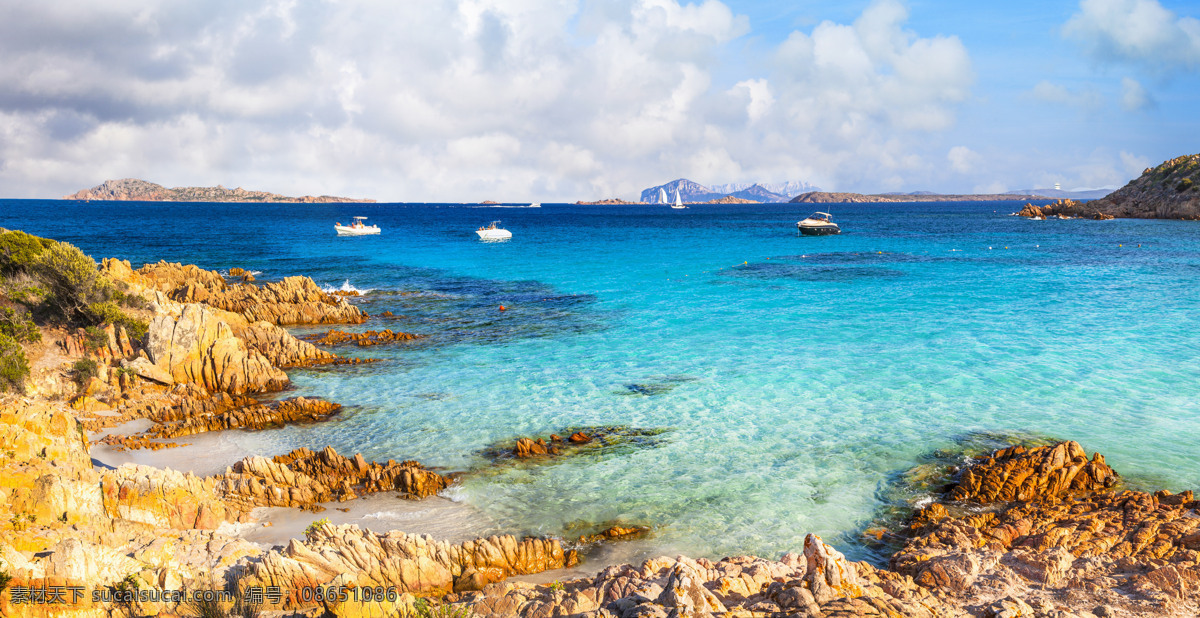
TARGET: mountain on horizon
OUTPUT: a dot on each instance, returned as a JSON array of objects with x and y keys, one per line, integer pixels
[
  {"x": 789, "y": 189},
  {"x": 1084, "y": 194},
  {"x": 693, "y": 192}
]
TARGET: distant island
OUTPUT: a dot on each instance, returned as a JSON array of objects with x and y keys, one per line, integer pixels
[
  {"x": 132, "y": 189},
  {"x": 729, "y": 199},
  {"x": 695, "y": 193},
  {"x": 1169, "y": 191},
  {"x": 824, "y": 197},
  {"x": 612, "y": 201}
]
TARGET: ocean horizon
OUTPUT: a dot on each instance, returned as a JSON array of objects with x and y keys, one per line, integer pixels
[{"x": 766, "y": 385}]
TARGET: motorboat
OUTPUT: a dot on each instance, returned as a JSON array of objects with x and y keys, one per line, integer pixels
[
  {"x": 493, "y": 232},
  {"x": 818, "y": 224},
  {"x": 358, "y": 228},
  {"x": 678, "y": 201}
]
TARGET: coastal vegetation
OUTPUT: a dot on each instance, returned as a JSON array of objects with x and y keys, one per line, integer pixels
[{"x": 56, "y": 284}]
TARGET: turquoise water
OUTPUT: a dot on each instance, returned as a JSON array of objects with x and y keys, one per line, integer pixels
[{"x": 792, "y": 376}]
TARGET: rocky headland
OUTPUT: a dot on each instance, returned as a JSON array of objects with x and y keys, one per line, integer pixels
[
  {"x": 1169, "y": 191},
  {"x": 824, "y": 197},
  {"x": 1044, "y": 531},
  {"x": 132, "y": 189}
]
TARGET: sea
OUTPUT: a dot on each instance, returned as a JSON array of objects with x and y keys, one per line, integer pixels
[{"x": 755, "y": 385}]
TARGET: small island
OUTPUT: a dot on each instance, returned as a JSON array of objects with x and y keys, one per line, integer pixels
[
  {"x": 135, "y": 190},
  {"x": 825, "y": 197},
  {"x": 612, "y": 201}
]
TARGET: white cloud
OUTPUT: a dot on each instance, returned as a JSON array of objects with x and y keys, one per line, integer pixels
[
  {"x": 1133, "y": 165},
  {"x": 1133, "y": 96},
  {"x": 1138, "y": 31},
  {"x": 1087, "y": 98},
  {"x": 962, "y": 159},
  {"x": 550, "y": 99}
]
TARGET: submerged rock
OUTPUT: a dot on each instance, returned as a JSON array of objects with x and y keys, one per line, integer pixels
[
  {"x": 602, "y": 440},
  {"x": 367, "y": 338}
]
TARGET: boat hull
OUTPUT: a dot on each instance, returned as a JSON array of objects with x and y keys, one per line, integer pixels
[
  {"x": 494, "y": 234},
  {"x": 345, "y": 230},
  {"x": 827, "y": 229}
]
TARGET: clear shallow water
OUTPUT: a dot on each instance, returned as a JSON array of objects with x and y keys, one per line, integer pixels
[{"x": 794, "y": 376}]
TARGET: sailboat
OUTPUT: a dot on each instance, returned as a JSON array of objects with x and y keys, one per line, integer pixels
[
  {"x": 678, "y": 202},
  {"x": 662, "y": 195}
]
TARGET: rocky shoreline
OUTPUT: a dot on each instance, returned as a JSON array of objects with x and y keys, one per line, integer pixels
[{"x": 1043, "y": 531}]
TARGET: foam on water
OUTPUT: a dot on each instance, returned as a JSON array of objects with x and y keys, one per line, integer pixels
[
  {"x": 346, "y": 287},
  {"x": 792, "y": 377}
]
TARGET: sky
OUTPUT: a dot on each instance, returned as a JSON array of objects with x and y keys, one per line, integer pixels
[{"x": 564, "y": 100}]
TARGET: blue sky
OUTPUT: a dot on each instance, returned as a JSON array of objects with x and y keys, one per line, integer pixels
[{"x": 559, "y": 100}]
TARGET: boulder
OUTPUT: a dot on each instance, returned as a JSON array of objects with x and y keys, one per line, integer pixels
[{"x": 199, "y": 348}]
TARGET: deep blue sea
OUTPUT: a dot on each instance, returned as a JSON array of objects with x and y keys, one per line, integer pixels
[{"x": 787, "y": 381}]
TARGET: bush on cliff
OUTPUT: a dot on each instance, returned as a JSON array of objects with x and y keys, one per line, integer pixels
[
  {"x": 58, "y": 282},
  {"x": 14, "y": 367},
  {"x": 83, "y": 370},
  {"x": 18, "y": 325},
  {"x": 107, "y": 312},
  {"x": 18, "y": 250},
  {"x": 72, "y": 281}
]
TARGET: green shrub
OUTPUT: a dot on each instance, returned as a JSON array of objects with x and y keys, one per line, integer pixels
[
  {"x": 107, "y": 312},
  {"x": 14, "y": 367},
  {"x": 19, "y": 326},
  {"x": 424, "y": 609},
  {"x": 72, "y": 281},
  {"x": 24, "y": 293},
  {"x": 94, "y": 338},
  {"x": 312, "y": 528},
  {"x": 83, "y": 370},
  {"x": 129, "y": 300},
  {"x": 18, "y": 250},
  {"x": 1184, "y": 185}
]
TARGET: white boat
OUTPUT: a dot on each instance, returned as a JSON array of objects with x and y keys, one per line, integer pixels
[
  {"x": 678, "y": 202},
  {"x": 818, "y": 224},
  {"x": 493, "y": 232},
  {"x": 358, "y": 228},
  {"x": 662, "y": 196},
  {"x": 535, "y": 205}
]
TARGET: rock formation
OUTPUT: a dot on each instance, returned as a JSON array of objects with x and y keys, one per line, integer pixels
[
  {"x": 132, "y": 189},
  {"x": 819, "y": 582},
  {"x": 347, "y": 556},
  {"x": 197, "y": 347},
  {"x": 304, "y": 478},
  {"x": 292, "y": 300},
  {"x": 1169, "y": 191},
  {"x": 1049, "y": 520}
]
